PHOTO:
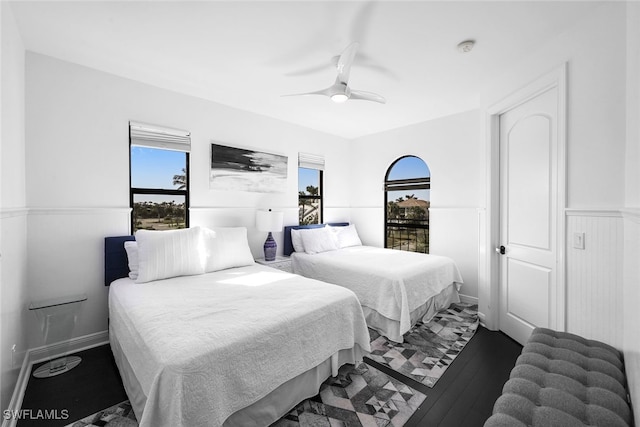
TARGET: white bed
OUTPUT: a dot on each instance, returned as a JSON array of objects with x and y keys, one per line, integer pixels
[
  {"x": 396, "y": 288},
  {"x": 239, "y": 346}
]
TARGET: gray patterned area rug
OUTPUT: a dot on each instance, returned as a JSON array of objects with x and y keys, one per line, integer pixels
[
  {"x": 120, "y": 415},
  {"x": 428, "y": 348},
  {"x": 359, "y": 396}
]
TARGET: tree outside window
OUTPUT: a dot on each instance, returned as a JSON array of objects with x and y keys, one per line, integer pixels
[
  {"x": 159, "y": 189},
  {"x": 309, "y": 196},
  {"x": 407, "y": 200}
]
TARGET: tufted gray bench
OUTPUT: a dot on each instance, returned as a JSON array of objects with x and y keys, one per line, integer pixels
[{"x": 564, "y": 380}]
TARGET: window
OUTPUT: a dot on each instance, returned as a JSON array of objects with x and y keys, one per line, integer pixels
[
  {"x": 310, "y": 170},
  {"x": 159, "y": 177},
  {"x": 407, "y": 199}
]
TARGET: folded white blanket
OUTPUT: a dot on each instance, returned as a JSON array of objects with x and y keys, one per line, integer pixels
[
  {"x": 203, "y": 347},
  {"x": 391, "y": 282}
]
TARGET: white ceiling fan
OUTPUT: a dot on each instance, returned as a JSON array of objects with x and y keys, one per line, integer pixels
[{"x": 340, "y": 90}]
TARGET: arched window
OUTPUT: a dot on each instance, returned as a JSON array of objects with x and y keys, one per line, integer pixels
[{"x": 407, "y": 187}]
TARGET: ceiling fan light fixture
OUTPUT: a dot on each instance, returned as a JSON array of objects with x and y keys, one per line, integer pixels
[
  {"x": 340, "y": 91},
  {"x": 339, "y": 98}
]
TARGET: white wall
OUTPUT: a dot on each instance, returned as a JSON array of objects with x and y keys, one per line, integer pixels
[
  {"x": 595, "y": 50},
  {"x": 77, "y": 161},
  {"x": 13, "y": 220},
  {"x": 451, "y": 147},
  {"x": 632, "y": 213}
]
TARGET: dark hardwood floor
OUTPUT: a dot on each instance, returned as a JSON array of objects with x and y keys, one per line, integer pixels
[
  {"x": 91, "y": 386},
  {"x": 463, "y": 396}
]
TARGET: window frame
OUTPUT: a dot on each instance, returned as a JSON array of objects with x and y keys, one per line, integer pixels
[
  {"x": 133, "y": 191},
  {"x": 319, "y": 197},
  {"x": 406, "y": 184}
]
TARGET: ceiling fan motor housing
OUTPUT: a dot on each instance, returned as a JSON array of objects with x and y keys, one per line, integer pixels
[{"x": 340, "y": 92}]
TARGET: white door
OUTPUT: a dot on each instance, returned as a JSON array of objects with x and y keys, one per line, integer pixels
[{"x": 528, "y": 215}]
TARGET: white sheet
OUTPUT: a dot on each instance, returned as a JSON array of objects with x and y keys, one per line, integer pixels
[
  {"x": 391, "y": 282},
  {"x": 203, "y": 347}
]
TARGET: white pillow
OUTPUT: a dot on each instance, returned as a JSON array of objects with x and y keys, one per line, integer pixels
[
  {"x": 316, "y": 240},
  {"x": 226, "y": 247},
  {"x": 172, "y": 253},
  {"x": 131, "y": 248},
  {"x": 296, "y": 240},
  {"x": 347, "y": 236}
]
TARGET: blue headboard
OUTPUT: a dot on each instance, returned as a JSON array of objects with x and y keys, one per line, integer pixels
[
  {"x": 116, "y": 264},
  {"x": 288, "y": 246}
]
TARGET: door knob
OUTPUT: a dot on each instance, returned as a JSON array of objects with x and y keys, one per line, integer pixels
[{"x": 501, "y": 250}]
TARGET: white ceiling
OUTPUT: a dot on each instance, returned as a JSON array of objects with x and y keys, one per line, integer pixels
[{"x": 248, "y": 54}]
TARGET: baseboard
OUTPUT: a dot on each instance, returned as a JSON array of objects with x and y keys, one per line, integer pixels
[
  {"x": 18, "y": 392},
  {"x": 468, "y": 299},
  {"x": 40, "y": 354},
  {"x": 481, "y": 318},
  {"x": 74, "y": 345}
]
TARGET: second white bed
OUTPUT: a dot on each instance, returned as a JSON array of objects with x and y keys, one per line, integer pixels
[{"x": 395, "y": 288}]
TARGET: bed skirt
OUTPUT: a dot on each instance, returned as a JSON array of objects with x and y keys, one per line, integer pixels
[
  {"x": 391, "y": 328},
  {"x": 265, "y": 411}
]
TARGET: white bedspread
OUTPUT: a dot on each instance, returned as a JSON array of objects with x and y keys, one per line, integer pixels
[
  {"x": 203, "y": 347},
  {"x": 391, "y": 282}
]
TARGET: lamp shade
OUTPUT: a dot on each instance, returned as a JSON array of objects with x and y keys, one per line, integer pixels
[{"x": 269, "y": 220}]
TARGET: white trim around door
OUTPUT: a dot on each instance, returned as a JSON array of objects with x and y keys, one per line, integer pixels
[{"x": 491, "y": 283}]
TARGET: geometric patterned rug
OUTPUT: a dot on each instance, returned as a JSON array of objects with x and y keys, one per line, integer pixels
[
  {"x": 120, "y": 415},
  {"x": 358, "y": 396},
  {"x": 428, "y": 348}
]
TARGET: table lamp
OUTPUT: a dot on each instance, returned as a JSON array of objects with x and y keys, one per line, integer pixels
[{"x": 269, "y": 221}]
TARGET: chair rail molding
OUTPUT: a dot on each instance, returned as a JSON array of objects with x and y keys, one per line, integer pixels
[
  {"x": 593, "y": 211},
  {"x": 13, "y": 212},
  {"x": 631, "y": 214},
  {"x": 79, "y": 210}
]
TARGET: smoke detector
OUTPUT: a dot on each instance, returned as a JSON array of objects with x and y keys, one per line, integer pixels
[{"x": 466, "y": 46}]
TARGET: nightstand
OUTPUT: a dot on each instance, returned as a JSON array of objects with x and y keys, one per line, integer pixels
[{"x": 281, "y": 263}]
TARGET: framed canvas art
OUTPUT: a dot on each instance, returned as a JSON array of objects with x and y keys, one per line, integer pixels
[{"x": 241, "y": 169}]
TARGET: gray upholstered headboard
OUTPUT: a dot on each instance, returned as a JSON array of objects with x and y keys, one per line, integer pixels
[
  {"x": 116, "y": 264},
  {"x": 288, "y": 246}
]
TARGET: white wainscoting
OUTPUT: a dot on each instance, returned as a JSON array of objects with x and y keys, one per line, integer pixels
[
  {"x": 594, "y": 275},
  {"x": 14, "y": 297},
  {"x": 369, "y": 221},
  {"x": 455, "y": 232},
  {"x": 631, "y": 300},
  {"x": 66, "y": 257}
]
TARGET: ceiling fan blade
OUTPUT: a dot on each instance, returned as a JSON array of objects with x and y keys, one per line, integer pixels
[
  {"x": 362, "y": 21},
  {"x": 367, "y": 96},
  {"x": 325, "y": 92},
  {"x": 345, "y": 61}
]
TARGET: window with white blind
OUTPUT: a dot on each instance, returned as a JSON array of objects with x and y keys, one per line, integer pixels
[
  {"x": 310, "y": 174},
  {"x": 159, "y": 177}
]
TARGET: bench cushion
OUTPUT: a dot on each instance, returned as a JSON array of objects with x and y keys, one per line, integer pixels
[{"x": 562, "y": 379}]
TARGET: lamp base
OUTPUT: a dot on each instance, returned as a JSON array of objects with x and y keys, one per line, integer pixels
[{"x": 270, "y": 247}]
